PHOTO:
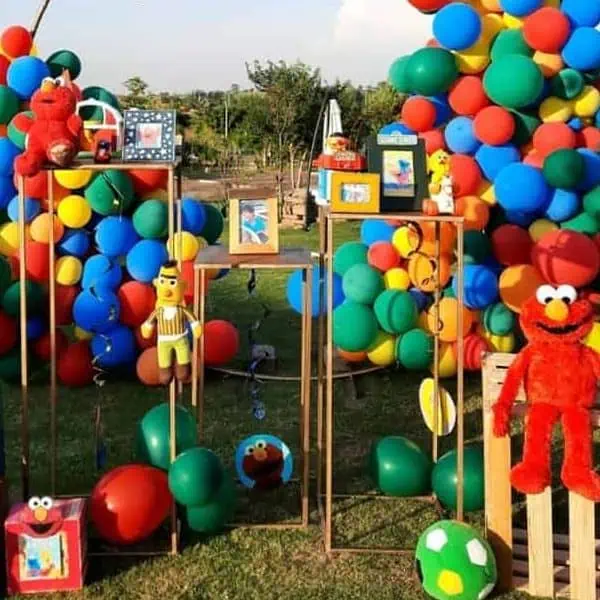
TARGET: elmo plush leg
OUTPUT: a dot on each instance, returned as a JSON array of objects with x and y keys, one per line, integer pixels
[
  {"x": 577, "y": 472},
  {"x": 30, "y": 163},
  {"x": 532, "y": 475}
]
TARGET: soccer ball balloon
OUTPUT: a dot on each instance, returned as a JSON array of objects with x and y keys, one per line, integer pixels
[{"x": 454, "y": 562}]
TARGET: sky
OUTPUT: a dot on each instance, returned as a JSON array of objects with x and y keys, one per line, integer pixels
[{"x": 183, "y": 45}]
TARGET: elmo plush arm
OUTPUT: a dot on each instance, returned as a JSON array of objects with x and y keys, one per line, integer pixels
[
  {"x": 508, "y": 395},
  {"x": 75, "y": 124}
]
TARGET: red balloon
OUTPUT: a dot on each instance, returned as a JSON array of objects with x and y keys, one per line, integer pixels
[
  {"x": 74, "y": 367},
  {"x": 187, "y": 274},
  {"x": 474, "y": 347},
  {"x": 129, "y": 503},
  {"x": 145, "y": 182},
  {"x": 494, "y": 125},
  {"x": 38, "y": 261},
  {"x": 418, "y": 113},
  {"x": 142, "y": 342},
  {"x": 467, "y": 96},
  {"x": 16, "y": 41},
  {"x": 566, "y": 257},
  {"x": 433, "y": 43},
  {"x": 137, "y": 302},
  {"x": 547, "y": 30},
  {"x": 8, "y": 333},
  {"x": 41, "y": 346},
  {"x": 383, "y": 256},
  {"x": 429, "y": 6},
  {"x": 4, "y": 64},
  {"x": 434, "y": 140},
  {"x": 147, "y": 367},
  {"x": 534, "y": 159},
  {"x": 221, "y": 342},
  {"x": 589, "y": 137},
  {"x": 553, "y": 136},
  {"x": 36, "y": 186},
  {"x": 466, "y": 175},
  {"x": 65, "y": 298},
  {"x": 512, "y": 245}
]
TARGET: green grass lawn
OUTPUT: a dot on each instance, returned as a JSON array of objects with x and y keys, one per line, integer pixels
[{"x": 250, "y": 564}]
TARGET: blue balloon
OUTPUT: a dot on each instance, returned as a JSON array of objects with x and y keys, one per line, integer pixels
[
  {"x": 96, "y": 310},
  {"x": 421, "y": 299},
  {"x": 101, "y": 272},
  {"x": 7, "y": 191},
  {"x": 396, "y": 127},
  {"x": 443, "y": 109},
  {"x": 376, "y": 231},
  {"x": 25, "y": 75},
  {"x": 493, "y": 265},
  {"x": 460, "y": 136},
  {"x": 8, "y": 153},
  {"x": 114, "y": 349},
  {"x": 145, "y": 259},
  {"x": 521, "y": 188},
  {"x": 582, "y": 51},
  {"x": 492, "y": 159},
  {"x": 564, "y": 204},
  {"x": 31, "y": 206},
  {"x": 597, "y": 119},
  {"x": 480, "y": 285},
  {"x": 576, "y": 124},
  {"x": 584, "y": 13},
  {"x": 522, "y": 219},
  {"x": 36, "y": 327},
  {"x": 193, "y": 215},
  {"x": 457, "y": 26},
  {"x": 116, "y": 236},
  {"x": 520, "y": 8},
  {"x": 294, "y": 291},
  {"x": 592, "y": 170},
  {"x": 222, "y": 273},
  {"x": 74, "y": 242}
]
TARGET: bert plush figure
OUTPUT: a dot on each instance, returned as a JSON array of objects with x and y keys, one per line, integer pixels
[{"x": 172, "y": 317}]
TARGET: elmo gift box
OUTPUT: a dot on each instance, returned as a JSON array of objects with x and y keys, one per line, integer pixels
[{"x": 46, "y": 546}]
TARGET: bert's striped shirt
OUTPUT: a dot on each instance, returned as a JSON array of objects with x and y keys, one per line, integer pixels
[{"x": 172, "y": 321}]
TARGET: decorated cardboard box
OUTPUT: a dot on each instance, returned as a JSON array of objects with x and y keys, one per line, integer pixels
[{"x": 46, "y": 546}]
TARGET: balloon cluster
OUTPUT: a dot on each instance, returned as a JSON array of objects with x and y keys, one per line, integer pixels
[{"x": 111, "y": 237}]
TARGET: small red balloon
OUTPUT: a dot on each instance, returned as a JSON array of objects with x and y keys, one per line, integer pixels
[
  {"x": 137, "y": 302},
  {"x": 433, "y": 43},
  {"x": 547, "y": 30},
  {"x": 65, "y": 298},
  {"x": 474, "y": 347},
  {"x": 8, "y": 333},
  {"x": 34, "y": 187},
  {"x": 74, "y": 367},
  {"x": 187, "y": 274},
  {"x": 147, "y": 367},
  {"x": 383, "y": 256},
  {"x": 4, "y": 64},
  {"x": 534, "y": 159},
  {"x": 511, "y": 245},
  {"x": 589, "y": 137},
  {"x": 38, "y": 261},
  {"x": 41, "y": 346},
  {"x": 429, "y": 6},
  {"x": 494, "y": 125},
  {"x": 418, "y": 113},
  {"x": 553, "y": 136},
  {"x": 16, "y": 41},
  {"x": 142, "y": 342},
  {"x": 466, "y": 175},
  {"x": 221, "y": 342},
  {"x": 467, "y": 96},
  {"x": 434, "y": 140},
  {"x": 145, "y": 182}
]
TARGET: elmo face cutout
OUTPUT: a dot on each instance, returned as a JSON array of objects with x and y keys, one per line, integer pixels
[
  {"x": 54, "y": 100},
  {"x": 263, "y": 463},
  {"x": 41, "y": 519}
]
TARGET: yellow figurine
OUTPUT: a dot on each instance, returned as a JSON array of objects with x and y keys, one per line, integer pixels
[
  {"x": 438, "y": 165},
  {"x": 172, "y": 317}
]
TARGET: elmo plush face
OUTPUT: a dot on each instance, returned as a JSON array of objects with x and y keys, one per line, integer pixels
[
  {"x": 42, "y": 518},
  {"x": 263, "y": 463},
  {"x": 54, "y": 100},
  {"x": 556, "y": 315}
]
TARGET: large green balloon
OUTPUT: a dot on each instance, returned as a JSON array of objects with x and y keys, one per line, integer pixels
[
  {"x": 195, "y": 477},
  {"x": 64, "y": 60},
  {"x": 212, "y": 517},
  {"x": 510, "y": 41},
  {"x": 513, "y": 81},
  {"x": 414, "y": 350},
  {"x": 591, "y": 202},
  {"x": 213, "y": 226},
  {"x": 477, "y": 246},
  {"x": 431, "y": 71},
  {"x": 11, "y": 302},
  {"x": 564, "y": 169},
  {"x": 97, "y": 93},
  {"x": 445, "y": 481},
  {"x": 151, "y": 219},
  {"x": 362, "y": 283},
  {"x": 396, "y": 311},
  {"x": 110, "y": 193},
  {"x": 152, "y": 440},
  {"x": 568, "y": 84},
  {"x": 354, "y": 327},
  {"x": 526, "y": 125},
  {"x": 400, "y": 468},
  {"x": 9, "y": 104},
  {"x": 348, "y": 255},
  {"x": 498, "y": 319},
  {"x": 397, "y": 75},
  {"x": 582, "y": 223},
  {"x": 10, "y": 366}
]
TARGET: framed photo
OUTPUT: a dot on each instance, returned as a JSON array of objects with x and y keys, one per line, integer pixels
[
  {"x": 402, "y": 165},
  {"x": 355, "y": 192},
  {"x": 253, "y": 226},
  {"x": 149, "y": 136}
]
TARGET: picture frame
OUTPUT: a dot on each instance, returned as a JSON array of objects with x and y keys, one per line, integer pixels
[
  {"x": 149, "y": 136},
  {"x": 253, "y": 226},
  {"x": 401, "y": 162},
  {"x": 355, "y": 192}
]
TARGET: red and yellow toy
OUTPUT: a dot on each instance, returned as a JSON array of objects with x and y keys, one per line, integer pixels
[
  {"x": 560, "y": 376},
  {"x": 53, "y": 134}
]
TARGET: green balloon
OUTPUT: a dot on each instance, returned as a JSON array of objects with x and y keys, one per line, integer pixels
[
  {"x": 362, "y": 283},
  {"x": 16, "y": 136},
  {"x": 212, "y": 518},
  {"x": 152, "y": 440},
  {"x": 400, "y": 468},
  {"x": 510, "y": 42},
  {"x": 5, "y": 275},
  {"x": 354, "y": 327},
  {"x": 564, "y": 169},
  {"x": 445, "y": 481},
  {"x": 477, "y": 246},
  {"x": 92, "y": 113},
  {"x": 10, "y": 366},
  {"x": 110, "y": 193},
  {"x": 568, "y": 84},
  {"x": 498, "y": 319},
  {"x": 348, "y": 255},
  {"x": 195, "y": 477},
  {"x": 11, "y": 302},
  {"x": 513, "y": 81},
  {"x": 583, "y": 223},
  {"x": 151, "y": 219},
  {"x": 396, "y": 311},
  {"x": 64, "y": 60},
  {"x": 397, "y": 75},
  {"x": 526, "y": 125},
  {"x": 213, "y": 226},
  {"x": 591, "y": 202},
  {"x": 431, "y": 71},
  {"x": 9, "y": 104},
  {"x": 414, "y": 350},
  {"x": 449, "y": 292}
]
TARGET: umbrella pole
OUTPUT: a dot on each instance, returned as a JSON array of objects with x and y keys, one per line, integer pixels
[{"x": 39, "y": 16}]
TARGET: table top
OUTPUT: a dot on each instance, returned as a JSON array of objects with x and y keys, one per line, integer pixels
[
  {"x": 115, "y": 165},
  {"x": 213, "y": 257},
  {"x": 415, "y": 217}
]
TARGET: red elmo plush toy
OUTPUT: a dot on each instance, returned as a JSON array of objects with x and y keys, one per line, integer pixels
[
  {"x": 53, "y": 134},
  {"x": 560, "y": 376}
]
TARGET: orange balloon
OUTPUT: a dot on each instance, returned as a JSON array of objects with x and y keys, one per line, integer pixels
[
  {"x": 40, "y": 228},
  {"x": 147, "y": 367},
  {"x": 549, "y": 64},
  {"x": 58, "y": 193},
  {"x": 447, "y": 238},
  {"x": 517, "y": 284},
  {"x": 352, "y": 357},
  {"x": 475, "y": 211},
  {"x": 448, "y": 319},
  {"x": 421, "y": 270}
]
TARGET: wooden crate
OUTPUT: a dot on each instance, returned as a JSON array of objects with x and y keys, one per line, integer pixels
[{"x": 534, "y": 560}]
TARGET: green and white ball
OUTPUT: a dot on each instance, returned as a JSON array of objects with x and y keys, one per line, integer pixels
[{"x": 455, "y": 562}]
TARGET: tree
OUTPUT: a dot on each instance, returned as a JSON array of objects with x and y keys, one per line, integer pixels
[{"x": 137, "y": 93}]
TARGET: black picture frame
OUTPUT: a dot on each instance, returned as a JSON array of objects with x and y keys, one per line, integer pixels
[
  {"x": 407, "y": 196},
  {"x": 160, "y": 144}
]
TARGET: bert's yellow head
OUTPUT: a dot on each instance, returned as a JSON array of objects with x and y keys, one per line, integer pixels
[
  {"x": 169, "y": 286},
  {"x": 439, "y": 162}
]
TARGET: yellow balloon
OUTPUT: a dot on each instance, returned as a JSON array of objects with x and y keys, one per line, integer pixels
[
  {"x": 74, "y": 211},
  {"x": 587, "y": 103},
  {"x": 396, "y": 279},
  {"x": 68, "y": 270},
  {"x": 549, "y": 64},
  {"x": 40, "y": 229},
  {"x": 34, "y": 51},
  {"x": 552, "y": 3},
  {"x": 538, "y": 229},
  {"x": 499, "y": 343},
  {"x": 555, "y": 110},
  {"x": 382, "y": 351},
  {"x": 491, "y": 25},
  {"x": 492, "y": 5},
  {"x": 487, "y": 193},
  {"x": 513, "y": 22},
  {"x": 446, "y": 412},
  {"x": 405, "y": 240},
  {"x": 448, "y": 364},
  {"x": 475, "y": 59},
  {"x": 82, "y": 335},
  {"x": 593, "y": 338},
  {"x": 73, "y": 179},
  {"x": 9, "y": 238},
  {"x": 202, "y": 243},
  {"x": 183, "y": 246}
]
